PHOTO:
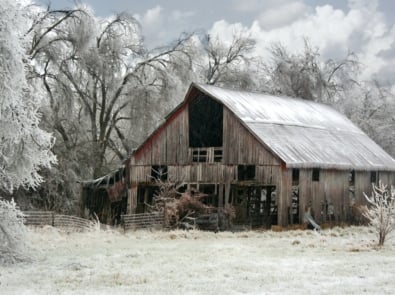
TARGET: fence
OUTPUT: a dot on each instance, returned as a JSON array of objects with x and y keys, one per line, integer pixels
[
  {"x": 142, "y": 221},
  {"x": 40, "y": 218}
]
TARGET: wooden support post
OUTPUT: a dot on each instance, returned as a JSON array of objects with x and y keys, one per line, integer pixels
[
  {"x": 220, "y": 195},
  {"x": 227, "y": 192}
]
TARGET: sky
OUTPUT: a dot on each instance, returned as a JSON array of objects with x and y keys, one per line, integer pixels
[{"x": 335, "y": 27}]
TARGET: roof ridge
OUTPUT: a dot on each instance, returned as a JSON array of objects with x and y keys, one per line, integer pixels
[{"x": 301, "y": 126}]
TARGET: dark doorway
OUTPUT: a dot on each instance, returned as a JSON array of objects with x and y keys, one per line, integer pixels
[{"x": 145, "y": 197}]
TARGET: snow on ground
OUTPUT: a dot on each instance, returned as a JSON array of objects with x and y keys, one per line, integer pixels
[{"x": 339, "y": 261}]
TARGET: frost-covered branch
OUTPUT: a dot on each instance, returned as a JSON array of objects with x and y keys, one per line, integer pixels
[
  {"x": 13, "y": 246},
  {"x": 381, "y": 212}
]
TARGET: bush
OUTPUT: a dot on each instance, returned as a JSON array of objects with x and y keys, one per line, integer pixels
[
  {"x": 13, "y": 234},
  {"x": 381, "y": 210}
]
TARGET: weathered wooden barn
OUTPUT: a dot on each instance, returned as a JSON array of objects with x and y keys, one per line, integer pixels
[{"x": 270, "y": 157}]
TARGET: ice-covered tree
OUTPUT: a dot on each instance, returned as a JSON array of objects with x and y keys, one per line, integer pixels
[
  {"x": 226, "y": 63},
  {"x": 305, "y": 75},
  {"x": 371, "y": 106},
  {"x": 381, "y": 210},
  {"x": 99, "y": 76},
  {"x": 13, "y": 244},
  {"x": 24, "y": 146}
]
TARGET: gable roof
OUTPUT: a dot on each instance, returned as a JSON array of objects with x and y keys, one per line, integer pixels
[{"x": 302, "y": 133}]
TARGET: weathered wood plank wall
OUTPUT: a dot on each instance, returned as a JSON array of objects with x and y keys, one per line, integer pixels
[
  {"x": 284, "y": 191},
  {"x": 168, "y": 145},
  {"x": 332, "y": 187},
  {"x": 241, "y": 147},
  {"x": 206, "y": 173}
]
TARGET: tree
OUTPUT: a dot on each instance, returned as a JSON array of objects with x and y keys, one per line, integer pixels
[
  {"x": 370, "y": 105},
  {"x": 13, "y": 245},
  {"x": 24, "y": 146},
  {"x": 226, "y": 64},
  {"x": 381, "y": 212},
  {"x": 304, "y": 75},
  {"x": 99, "y": 74}
]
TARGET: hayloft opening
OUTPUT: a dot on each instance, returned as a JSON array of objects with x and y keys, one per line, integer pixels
[{"x": 205, "y": 122}]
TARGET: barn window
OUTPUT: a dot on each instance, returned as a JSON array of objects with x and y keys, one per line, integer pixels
[
  {"x": 217, "y": 155},
  {"x": 295, "y": 176},
  {"x": 351, "y": 177},
  {"x": 373, "y": 177},
  {"x": 199, "y": 155},
  {"x": 246, "y": 172},
  {"x": 159, "y": 172},
  {"x": 205, "y": 122},
  {"x": 316, "y": 175}
]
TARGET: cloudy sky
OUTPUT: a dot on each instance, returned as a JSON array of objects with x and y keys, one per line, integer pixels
[{"x": 336, "y": 27}]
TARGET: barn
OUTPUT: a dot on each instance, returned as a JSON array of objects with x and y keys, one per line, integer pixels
[{"x": 270, "y": 157}]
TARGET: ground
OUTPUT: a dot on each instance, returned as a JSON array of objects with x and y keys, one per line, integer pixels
[{"x": 337, "y": 261}]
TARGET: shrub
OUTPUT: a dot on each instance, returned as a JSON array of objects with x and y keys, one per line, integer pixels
[
  {"x": 13, "y": 240},
  {"x": 381, "y": 210}
]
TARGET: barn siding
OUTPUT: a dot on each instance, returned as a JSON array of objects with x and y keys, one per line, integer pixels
[
  {"x": 332, "y": 188},
  {"x": 304, "y": 191},
  {"x": 132, "y": 200},
  {"x": 206, "y": 172},
  {"x": 284, "y": 191},
  {"x": 336, "y": 192},
  {"x": 241, "y": 147},
  {"x": 168, "y": 145},
  {"x": 362, "y": 185}
]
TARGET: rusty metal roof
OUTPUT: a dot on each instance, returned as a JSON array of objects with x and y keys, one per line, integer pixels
[{"x": 303, "y": 133}]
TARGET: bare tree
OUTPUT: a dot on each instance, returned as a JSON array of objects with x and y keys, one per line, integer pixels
[
  {"x": 304, "y": 75},
  {"x": 381, "y": 212},
  {"x": 371, "y": 106},
  {"x": 95, "y": 72},
  {"x": 227, "y": 64}
]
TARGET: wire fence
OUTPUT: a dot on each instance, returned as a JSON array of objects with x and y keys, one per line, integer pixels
[
  {"x": 41, "y": 218},
  {"x": 142, "y": 221}
]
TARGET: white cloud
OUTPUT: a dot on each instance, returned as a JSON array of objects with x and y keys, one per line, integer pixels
[
  {"x": 177, "y": 15},
  {"x": 159, "y": 24},
  {"x": 257, "y": 5},
  {"x": 151, "y": 17},
  {"x": 281, "y": 15},
  {"x": 362, "y": 30}
]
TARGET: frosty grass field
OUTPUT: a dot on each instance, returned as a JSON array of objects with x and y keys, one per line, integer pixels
[{"x": 337, "y": 261}]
